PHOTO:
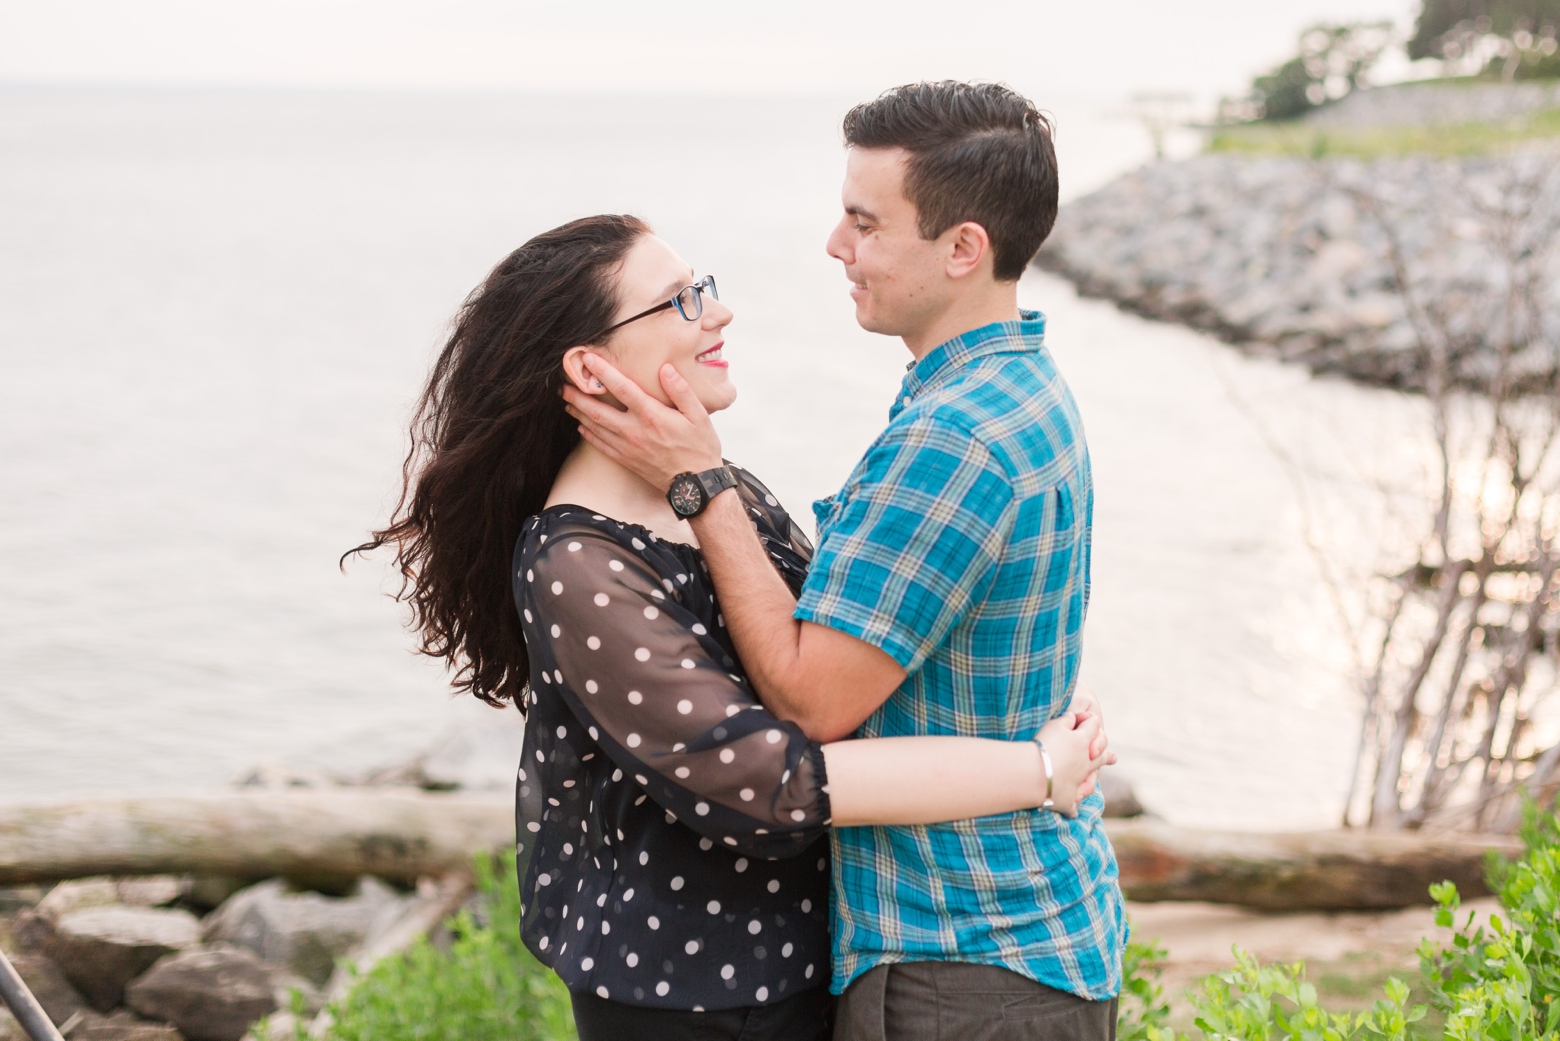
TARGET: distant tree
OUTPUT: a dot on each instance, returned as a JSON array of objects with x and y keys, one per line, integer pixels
[
  {"x": 1514, "y": 38},
  {"x": 1333, "y": 61}
]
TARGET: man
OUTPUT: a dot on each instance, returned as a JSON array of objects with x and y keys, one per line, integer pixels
[{"x": 948, "y": 592}]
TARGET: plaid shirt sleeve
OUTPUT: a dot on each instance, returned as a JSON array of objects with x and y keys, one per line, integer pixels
[{"x": 912, "y": 540}]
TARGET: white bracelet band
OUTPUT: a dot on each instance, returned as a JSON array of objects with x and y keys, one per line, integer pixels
[{"x": 1050, "y": 776}]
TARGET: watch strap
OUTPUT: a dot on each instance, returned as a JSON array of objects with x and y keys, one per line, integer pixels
[{"x": 716, "y": 480}]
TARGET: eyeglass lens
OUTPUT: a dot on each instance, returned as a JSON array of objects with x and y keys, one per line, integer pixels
[{"x": 690, "y": 299}]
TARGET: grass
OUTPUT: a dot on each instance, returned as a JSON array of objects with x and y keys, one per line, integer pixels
[{"x": 1315, "y": 142}]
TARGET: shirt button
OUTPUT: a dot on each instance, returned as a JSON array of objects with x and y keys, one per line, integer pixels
[{"x": 906, "y": 401}]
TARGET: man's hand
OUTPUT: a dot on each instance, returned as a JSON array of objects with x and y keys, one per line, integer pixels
[{"x": 653, "y": 441}]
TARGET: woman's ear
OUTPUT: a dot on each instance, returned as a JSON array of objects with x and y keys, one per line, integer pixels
[{"x": 576, "y": 372}]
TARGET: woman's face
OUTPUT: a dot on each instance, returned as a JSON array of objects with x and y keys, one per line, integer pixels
[{"x": 652, "y": 274}]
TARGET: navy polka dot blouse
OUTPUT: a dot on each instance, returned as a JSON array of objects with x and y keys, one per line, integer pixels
[{"x": 672, "y": 833}]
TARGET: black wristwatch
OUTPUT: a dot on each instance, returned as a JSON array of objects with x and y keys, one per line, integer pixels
[{"x": 691, "y": 492}]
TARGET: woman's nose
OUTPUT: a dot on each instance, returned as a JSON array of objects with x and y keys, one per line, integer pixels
[{"x": 717, "y": 314}]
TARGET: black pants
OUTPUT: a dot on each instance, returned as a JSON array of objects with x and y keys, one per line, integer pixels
[
  {"x": 954, "y": 1001},
  {"x": 808, "y": 1016}
]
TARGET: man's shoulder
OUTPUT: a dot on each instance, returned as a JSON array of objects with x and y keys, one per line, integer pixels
[{"x": 1016, "y": 405}]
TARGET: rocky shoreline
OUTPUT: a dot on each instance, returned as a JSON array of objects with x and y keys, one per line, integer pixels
[{"x": 1309, "y": 260}]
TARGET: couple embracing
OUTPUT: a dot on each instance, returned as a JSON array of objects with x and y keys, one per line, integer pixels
[{"x": 756, "y": 773}]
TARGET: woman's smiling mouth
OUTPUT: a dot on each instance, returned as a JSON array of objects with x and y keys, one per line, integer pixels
[{"x": 712, "y": 356}]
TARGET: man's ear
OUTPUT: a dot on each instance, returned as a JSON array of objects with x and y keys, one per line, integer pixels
[
  {"x": 575, "y": 371},
  {"x": 968, "y": 248}
]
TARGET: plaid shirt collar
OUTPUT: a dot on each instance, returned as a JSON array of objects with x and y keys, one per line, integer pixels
[{"x": 1026, "y": 334}]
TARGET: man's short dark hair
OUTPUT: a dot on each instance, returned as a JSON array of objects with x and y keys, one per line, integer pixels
[{"x": 978, "y": 152}]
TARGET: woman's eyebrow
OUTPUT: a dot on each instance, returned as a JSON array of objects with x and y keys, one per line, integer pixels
[{"x": 676, "y": 284}]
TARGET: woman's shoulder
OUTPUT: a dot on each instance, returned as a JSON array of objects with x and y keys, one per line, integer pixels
[{"x": 566, "y": 528}]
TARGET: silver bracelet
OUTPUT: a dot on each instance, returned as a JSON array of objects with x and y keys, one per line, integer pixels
[{"x": 1050, "y": 776}]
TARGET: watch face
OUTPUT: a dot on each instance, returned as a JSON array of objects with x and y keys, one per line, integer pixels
[{"x": 685, "y": 495}]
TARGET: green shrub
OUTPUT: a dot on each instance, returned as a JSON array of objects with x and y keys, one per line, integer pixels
[{"x": 486, "y": 987}]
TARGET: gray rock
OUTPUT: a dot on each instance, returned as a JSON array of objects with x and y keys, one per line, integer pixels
[
  {"x": 121, "y": 1026},
  {"x": 210, "y": 993},
  {"x": 78, "y": 895},
  {"x": 49, "y": 985},
  {"x": 104, "y": 948},
  {"x": 19, "y": 898},
  {"x": 151, "y": 890},
  {"x": 303, "y": 932},
  {"x": 31, "y": 931},
  {"x": 1120, "y": 799},
  {"x": 10, "y": 1029}
]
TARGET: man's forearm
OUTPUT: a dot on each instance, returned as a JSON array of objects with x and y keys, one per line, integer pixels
[{"x": 755, "y": 601}]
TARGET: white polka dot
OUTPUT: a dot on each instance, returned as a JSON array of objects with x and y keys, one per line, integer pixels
[
  {"x": 682, "y": 772},
  {"x": 579, "y": 926},
  {"x": 557, "y": 632},
  {"x": 678, "y": 747},
  {"x": 539, "y": 757},
  {"x": 617, "y": 775},
  {"x": 653, "y": 922},
  {"x": 563, "y": 732},
  {"x": 755, "y": 926},
  {"x": 677, "y": 883},
  {"x": 606, "y": 927},
  {"x": 685, "y": 706},
  {"x": 542, "y": 943},
  {"x": 771, "y": 500},
  {"x": 530, "y": 576},
  {"x": 773, "y": 736},
  {"x": 586, "y": 963},
  {"x": 785, "y": 952},
  {"x": 601, "y": 901},
  {"x": 652, "y": 612},
  {"x": 632, "y": 959},
  {"x": 692, "y": 947},
  {"x": 701, "y": 808},
  {"x": 706, "y": 845},
  {"x": 747, "y": 794},
  {"x": 615, "y": 565},
  {"x": 642, "y": 653},
  {"x": 634, "y": 697},
  {"x": 687, "y": 663},
  {"x": 602, "y": 599},
  {"x": 637, "y": 544},
  {"x": 528, "y": 617},
  {"x": 727, "y": 755},
  {"x": 699, "y": 630},
  {"x": 774, "y": 885},
  {"x": 658, "y": 594},
  {"x": 593, "y": 642},
  {"x": 533, "y": 826},
  {"x": 713, "y": 907},
  {"x": 633, "y": 742},
  {"x": 629, "y": 893},
  {"x": 568, "y": 849},
  {"x": 644, "y": 858},
  {"x": 601, "y": 992},
  {"x": 670, "y": 587},
  {"x": 557, "y": 587},
  {"x": 741, "y": 865},
  {"x": 727, "y": 971},
  {"x": 806, "y": 906},
  {"x": 728, "y": 840},
  {"x": 762, "y": 994},
  {"x": 541, "y": 538},
  {"x": 591, "y": 688},
  {"x": 544, "y": 879},
  {"x": 808, "y": 973},
  {"x": 641, "y": 778},
  {"x": 732, "y": 710},
  {"x": 797, "y": 815},
  {"x": 557, "y": 673},
  {"x": 574, "y": 547},
  {"x": 662, "y": 987}
]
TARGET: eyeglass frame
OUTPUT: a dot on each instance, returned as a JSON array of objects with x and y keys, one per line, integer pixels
[{"x": 703, "y": 285}]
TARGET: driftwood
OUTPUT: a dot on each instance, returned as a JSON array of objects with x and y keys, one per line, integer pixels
[
  {"x": 311, "y": 834},
  {"x": 1298, "y": 871},
  {"x": 343, "y": 833}
]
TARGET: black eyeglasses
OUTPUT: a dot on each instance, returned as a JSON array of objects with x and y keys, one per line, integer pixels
[{"x": 689, "y": 302}]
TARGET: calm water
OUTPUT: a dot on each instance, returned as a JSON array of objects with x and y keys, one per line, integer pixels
[{"x": 215, "y": 310}]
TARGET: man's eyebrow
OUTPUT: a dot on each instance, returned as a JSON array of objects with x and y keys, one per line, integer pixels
[{"x": 857, "y": 211}]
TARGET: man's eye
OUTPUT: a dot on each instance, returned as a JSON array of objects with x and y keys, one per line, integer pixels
[{"x": 862, "y": 229}]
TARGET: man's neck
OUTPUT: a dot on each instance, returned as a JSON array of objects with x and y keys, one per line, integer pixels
[{"x": 996, "y": 303}]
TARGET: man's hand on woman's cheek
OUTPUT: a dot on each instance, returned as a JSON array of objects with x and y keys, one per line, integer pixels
[{"x": 653, "y": 441}]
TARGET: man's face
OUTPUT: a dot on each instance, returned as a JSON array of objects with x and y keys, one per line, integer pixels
[{"x": 900, "y": 281}]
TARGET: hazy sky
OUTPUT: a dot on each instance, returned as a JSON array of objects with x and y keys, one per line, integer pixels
[{"x": 1044, "y": 47}]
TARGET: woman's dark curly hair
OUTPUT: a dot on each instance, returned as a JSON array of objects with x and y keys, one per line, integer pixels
[{"x": 489, "y": 436}]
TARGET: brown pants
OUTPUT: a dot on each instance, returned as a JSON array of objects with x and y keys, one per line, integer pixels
[{"x": 954, "y": 1001}]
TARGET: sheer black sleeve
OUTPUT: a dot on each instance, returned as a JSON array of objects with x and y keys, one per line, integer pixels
[{"x": 661, "y": 695}]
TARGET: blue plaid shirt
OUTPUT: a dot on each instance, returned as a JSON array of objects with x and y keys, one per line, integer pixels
[{"x": 960, "y": 546}]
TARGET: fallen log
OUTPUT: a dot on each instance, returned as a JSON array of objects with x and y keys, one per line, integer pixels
[
  {"x": 1298, "y": 871},
  {"x": 342, "y": 833},
  {"x": 320, "y": 834}
]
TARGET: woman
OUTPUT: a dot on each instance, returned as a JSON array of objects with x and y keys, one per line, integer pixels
[{"x": 672, "y": 832}]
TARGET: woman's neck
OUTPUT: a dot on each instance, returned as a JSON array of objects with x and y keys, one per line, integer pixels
[{"x": 590, "y": 479}]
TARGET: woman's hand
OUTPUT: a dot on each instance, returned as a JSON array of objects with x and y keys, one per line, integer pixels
[{"x": 1075, "y": 768}]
